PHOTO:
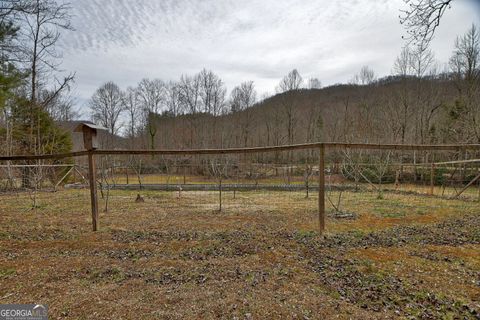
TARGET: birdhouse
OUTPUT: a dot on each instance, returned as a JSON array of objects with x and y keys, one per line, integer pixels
[{"x": 89, "y": 130}]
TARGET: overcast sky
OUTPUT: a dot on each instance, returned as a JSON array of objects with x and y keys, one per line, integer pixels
[{"x": 127, "y": 40}]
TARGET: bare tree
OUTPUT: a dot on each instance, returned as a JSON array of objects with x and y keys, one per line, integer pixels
[
  {"x": 402, "y": 65},
  {"x": 173, "y": 98},
  {"x": 60, "y": 107},
  {"x": 421, "y": 19},
  {"x": 133, "y": 108},
  {"x": 218, "y": 168},
  {"x": 465, "y": 61},
  {"x": 243, "y": 97},
  {"x": 212, "y": 92},
  {"x": 106, "y": 106},
  {"x": 41, "y": 23},
  {"x": 289, "y": 85},
  {"x": 152, "y": 96},
  {"x": 190, "y": 102},
  {"x": 189, "y": 91},
  {"x": 314, "y": 83},
  {"x": 365, "y": 77},
  {"x": 465, "y": 64},
  {"x": 292, "y": 81},
  {"x": 43, "y": 20},
  {"x": 421, "y": 60}
]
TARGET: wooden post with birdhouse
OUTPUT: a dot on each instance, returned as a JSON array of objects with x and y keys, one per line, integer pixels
[{"x": 90, "y": 143}]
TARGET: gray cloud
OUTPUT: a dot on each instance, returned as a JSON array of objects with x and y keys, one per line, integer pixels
[{"x": 126, "y": 40}]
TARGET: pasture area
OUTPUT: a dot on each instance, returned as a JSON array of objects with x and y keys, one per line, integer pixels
[{"x": 400, "y": 255}]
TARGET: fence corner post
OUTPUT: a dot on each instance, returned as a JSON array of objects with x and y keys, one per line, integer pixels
[{"x": 321, "y": 189}]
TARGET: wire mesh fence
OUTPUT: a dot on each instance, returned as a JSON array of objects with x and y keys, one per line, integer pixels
[{"x": 391, "y": 183}]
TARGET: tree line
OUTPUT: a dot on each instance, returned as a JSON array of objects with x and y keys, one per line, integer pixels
[
  {"x": 422, "y": 101},
  {"x": 32, "y": 93}
]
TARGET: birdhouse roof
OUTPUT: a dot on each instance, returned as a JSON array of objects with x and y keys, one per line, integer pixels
[{"x": 80, "y": 126}]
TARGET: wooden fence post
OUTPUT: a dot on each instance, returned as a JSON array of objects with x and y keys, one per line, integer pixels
[
  {"x": 321, "y": 189},
  {"x": 93, "y": 190},
  {"x": 90, "y": 143},
  {"x": 220, "y": 194},
  {"x": 432, "y": 178},
  {"x": 184, "y": 174}
]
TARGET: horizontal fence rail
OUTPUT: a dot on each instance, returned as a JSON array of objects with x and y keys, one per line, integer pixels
[{"x": 327, "y": 145}]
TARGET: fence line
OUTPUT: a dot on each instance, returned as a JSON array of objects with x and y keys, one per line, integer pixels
[
  {"x": 322, "y": 147},
  {"x": 305, "y": 146}
]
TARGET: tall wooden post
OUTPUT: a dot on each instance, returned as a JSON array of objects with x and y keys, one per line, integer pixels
[
  {"x": 321, "y": 189},
  {"x": 93, "y": 190},
  {"x": 90, "y": 143}
]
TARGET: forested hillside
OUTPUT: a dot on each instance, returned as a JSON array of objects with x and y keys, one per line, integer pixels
[
  {"x": 422, "y": 102},
  {"x": 438, "y": 109}
]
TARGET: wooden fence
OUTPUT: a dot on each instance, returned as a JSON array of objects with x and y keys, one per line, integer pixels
[{"x": 322, "y": 147}]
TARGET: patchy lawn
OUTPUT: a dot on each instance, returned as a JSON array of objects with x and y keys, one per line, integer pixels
[{"x": 403, "y": 256}]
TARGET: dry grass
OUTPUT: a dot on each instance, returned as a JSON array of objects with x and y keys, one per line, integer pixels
[
  {"x": 404, "y": 256},
  {"x": 449, "y": 191}
]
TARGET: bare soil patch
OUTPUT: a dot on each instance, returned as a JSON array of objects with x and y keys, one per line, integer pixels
[{"x": 168, "y": 258}]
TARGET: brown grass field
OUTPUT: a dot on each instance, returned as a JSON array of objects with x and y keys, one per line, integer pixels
[{"x": 403, "y": 256}]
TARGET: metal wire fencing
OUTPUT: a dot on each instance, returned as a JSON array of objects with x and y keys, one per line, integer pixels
[{"x": 334, "y": 182}]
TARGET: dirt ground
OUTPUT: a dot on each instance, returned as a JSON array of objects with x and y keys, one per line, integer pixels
[{"x": 402, "y": 256}]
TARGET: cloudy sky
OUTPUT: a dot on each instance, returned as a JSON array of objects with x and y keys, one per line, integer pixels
[{"x": 127, "y": 40}]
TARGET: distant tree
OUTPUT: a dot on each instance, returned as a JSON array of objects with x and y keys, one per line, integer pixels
[
  {"x": 190, "y": 103},
  {"x": 464, "y": 115},
  {"x": 289, "y": 85},
  {"x": 212, "y": 92},
  {"x": 421, "y": 60},
  {"x": 152, "y": 95},
  {"x": 314, "y": 83},
  {"x": 213, "y": 96},
  {"x": 106, "y": 105},
  {"x": 133, "y": 108},
  {"x": 465, "y": 60},
  {"x": 291, "y": 82},
  {"x": 243, "y": 97},
  {"x": 402, "y": 65},
  {"x": 189, "y": 93},
  {"x": 173, "y": 98},
  {"x": 365, "y": 76}
]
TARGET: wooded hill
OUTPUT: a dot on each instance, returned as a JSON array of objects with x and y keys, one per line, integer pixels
[{"x": 438, "y": 109}]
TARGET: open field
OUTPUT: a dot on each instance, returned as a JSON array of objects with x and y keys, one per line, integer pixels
[
  {"x": 403, "y": 256},
  {"x": 473, "y": 192}
]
